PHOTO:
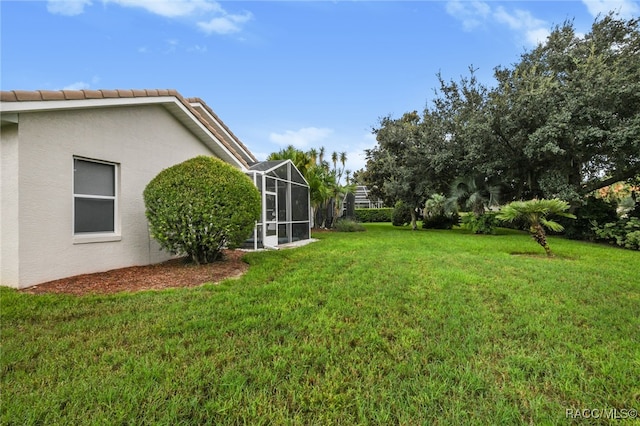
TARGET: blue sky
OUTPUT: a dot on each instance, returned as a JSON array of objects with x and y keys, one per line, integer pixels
[{"x": 307, "y": 73}]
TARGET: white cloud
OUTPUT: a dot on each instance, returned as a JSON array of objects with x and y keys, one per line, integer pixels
[
  {"x": 537, "y": 36},
  {"x": 357, "y": 159},
  {"x": 171, "y": 8},
  {"x": 209, "y": 15},
  {"x": 535, "y": 30},
  {"x": 67, "y": 7},
  {"x": 626, "y": 8},
  {"x": 471, "y": 13},
  {"x": 226, "y": 24},
  {"x": 78, "y": 85},
  {"x": 82, "y": 85},
  {"x": 475, "y": 13},
  {"x": 303, "y": 138}
]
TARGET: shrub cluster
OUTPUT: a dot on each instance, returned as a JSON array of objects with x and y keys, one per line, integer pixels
[
  {"x": 401, "y": 214},
  {"x": 374, "y": 215},
  {"x": 200, "y": 206},
  {"x": 483, "y": 224},
  {"x": 594, "y": 211},
  {"x": 348, "y": 225},
  {"x": 624, "y": 232},
  {"x": 437, "y": 215}
]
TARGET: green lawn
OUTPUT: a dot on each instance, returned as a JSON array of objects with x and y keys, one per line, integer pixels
[{"x": 387, "y": 326}]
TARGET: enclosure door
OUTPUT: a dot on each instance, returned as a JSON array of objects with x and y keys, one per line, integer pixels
[{"x": 271, "y": 219}]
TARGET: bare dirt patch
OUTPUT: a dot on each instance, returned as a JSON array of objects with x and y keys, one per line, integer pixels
[{"x": 171, "y": 274}]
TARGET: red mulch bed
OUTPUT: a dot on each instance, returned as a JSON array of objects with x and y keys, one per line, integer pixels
[{"x": 171, "y": 274}]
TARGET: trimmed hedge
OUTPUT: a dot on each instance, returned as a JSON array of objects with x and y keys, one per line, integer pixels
[
  {"x": 374, "y": 215},
  {"x": 200, "y": 206}
]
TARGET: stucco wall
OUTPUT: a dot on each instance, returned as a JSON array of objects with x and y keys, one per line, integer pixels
[
  {"x": 143, "y": 140},
  {"x": 9, "y": 230}
]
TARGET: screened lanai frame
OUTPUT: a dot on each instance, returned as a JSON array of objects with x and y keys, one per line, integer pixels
[{"x": 286, "y": 205}]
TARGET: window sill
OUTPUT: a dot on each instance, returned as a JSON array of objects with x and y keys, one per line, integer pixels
[{"x": 95, "y": 238}]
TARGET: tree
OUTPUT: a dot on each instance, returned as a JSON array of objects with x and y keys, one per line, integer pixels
[
  {"x": 561, "y": 122},
  {"x": 324, "y": 182},
  {"x": 302, "y": 160},
  {"x": 395, "y": 168},
  {"x": 568, "y": 114},
  {"x": 337, "y": 189},
  {"x": 199, "y": 206},
  {"x": 418, "y": 156},
  {"x": 535, "y": 214}
]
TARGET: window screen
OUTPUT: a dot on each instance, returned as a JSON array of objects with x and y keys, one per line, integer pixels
[{"x": 94, "y": 196}]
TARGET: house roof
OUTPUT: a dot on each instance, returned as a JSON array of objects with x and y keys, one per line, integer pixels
[{"x": 192, "y": 112}]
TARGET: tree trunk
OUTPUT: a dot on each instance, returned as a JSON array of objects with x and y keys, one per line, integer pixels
[
  {"x": 540, "y": 236},
  {"x": 414, "y": 225}
]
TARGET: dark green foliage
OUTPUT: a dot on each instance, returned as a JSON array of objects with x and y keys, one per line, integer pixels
[
  {"x": 595, "y": 210},
  {"x": 374, "y": 215},
  {"x": 475, "y": 193},
  {"x": 439, "y": 214},
  {"x": 485, "y": 223},
  {"x": 550, "y": 126},
  {"x": 198, "y": 207},
  {"x": 441, "y": 222},
  {"x": 401, "y": 214},
  {"x": 624, "y": 232},
  {"x": 348, "y": 225}
]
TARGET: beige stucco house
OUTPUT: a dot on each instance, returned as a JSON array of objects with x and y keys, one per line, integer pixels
[{"x": 73, "y": 166}]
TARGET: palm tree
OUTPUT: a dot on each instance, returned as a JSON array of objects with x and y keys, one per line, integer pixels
[
  {"x": 300, "y": 159},
  {"x": 475, "y": 193},
  {"x": 319, "y": 190},
  {"x": 313, "y": 154},
  {"x": 535, "y": 214}
]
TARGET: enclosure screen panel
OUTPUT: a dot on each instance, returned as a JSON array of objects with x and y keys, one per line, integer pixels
[
  {"x": 299, "y": 203},
  {"x": 299, "y": 231}
]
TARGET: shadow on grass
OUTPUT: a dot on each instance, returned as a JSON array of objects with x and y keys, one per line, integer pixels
[{"x": 536, "y": 255}]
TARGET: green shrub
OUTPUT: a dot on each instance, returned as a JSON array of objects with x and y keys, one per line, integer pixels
[
  {"x": 484, "y": 224},
  {"x": 198, "y": 207},
  {"x": 594, "y": 210},
  {"x": 438, "y": 215},
  {"x": 401, "y": 214},
  {"x": 624, "y": 232},
  {"x": 374, "y": 215},
  {"x": 348, "y": 225}
]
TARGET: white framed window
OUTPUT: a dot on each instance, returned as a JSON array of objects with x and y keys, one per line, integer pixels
[{"x": 95, "y": 200}]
